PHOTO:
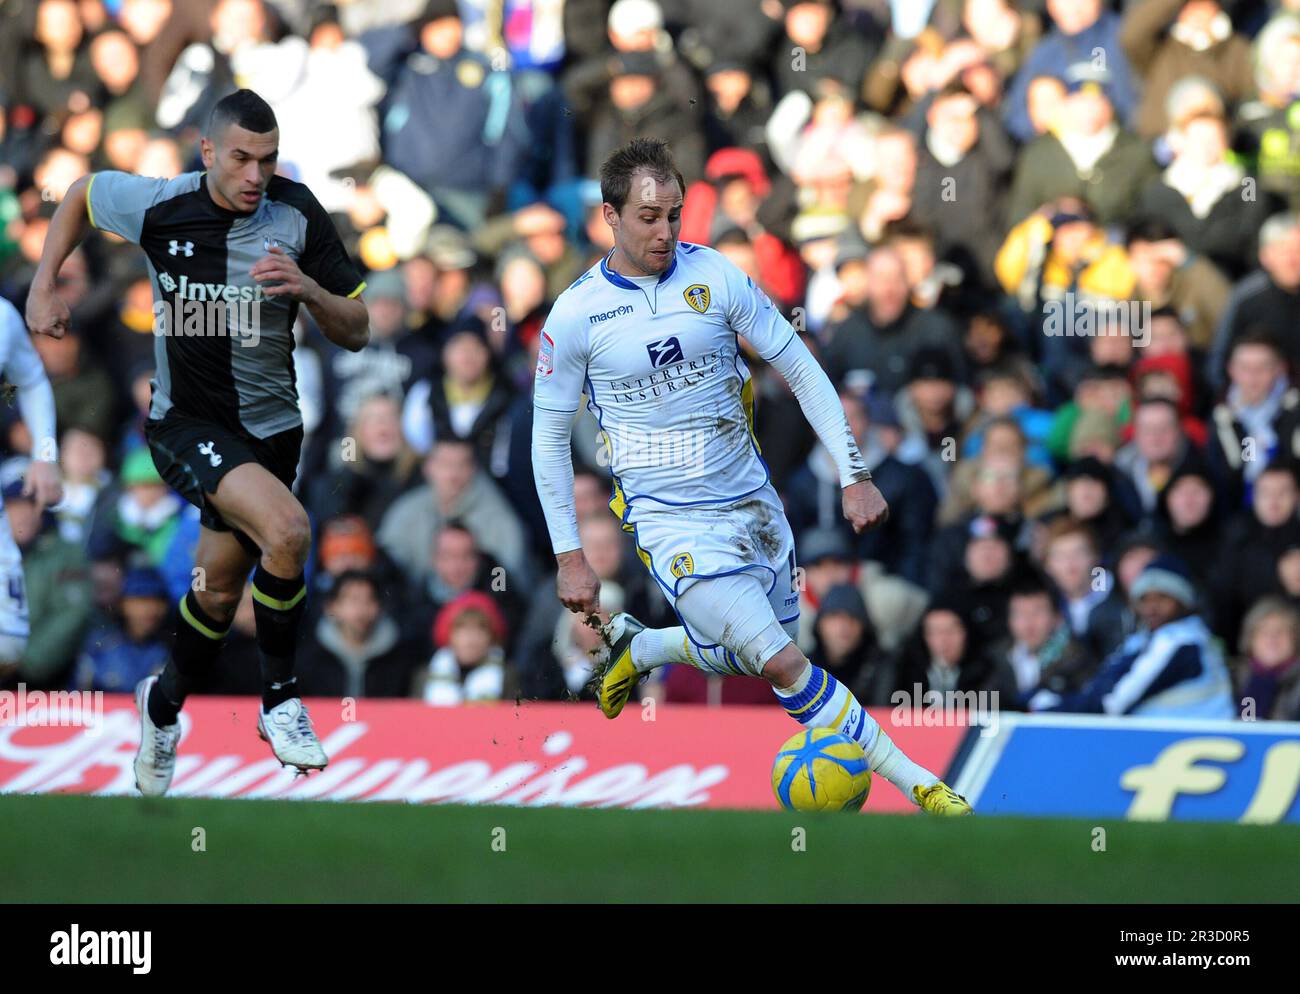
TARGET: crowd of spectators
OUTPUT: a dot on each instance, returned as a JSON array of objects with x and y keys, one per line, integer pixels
[{"x": 1049, "y": 253}]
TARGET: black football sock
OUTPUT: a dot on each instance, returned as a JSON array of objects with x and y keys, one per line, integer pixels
[
  {"x": 199, "y": 637},
  {"x": 278, "y": 605}
]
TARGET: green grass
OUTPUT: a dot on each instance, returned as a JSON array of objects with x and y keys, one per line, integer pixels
[{"x": 121, "y": 849}]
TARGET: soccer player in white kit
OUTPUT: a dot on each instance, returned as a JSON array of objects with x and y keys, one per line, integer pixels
[
  {"x": 22, "y": 367},
  {"x": 650, "y": 336}
]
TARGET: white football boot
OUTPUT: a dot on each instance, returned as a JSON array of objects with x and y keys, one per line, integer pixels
[
  {"x": 155, "y": 761},
  {"x": 287, "y": 729}
]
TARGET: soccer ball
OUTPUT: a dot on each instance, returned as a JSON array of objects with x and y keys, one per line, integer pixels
[{"x": 821, "y": 769}]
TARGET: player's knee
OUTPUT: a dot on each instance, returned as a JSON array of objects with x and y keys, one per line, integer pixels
[
  {"x": 783, "y": 669},
  {"x": 288, "y": 535},
  {"x": 220, "y": 600}
]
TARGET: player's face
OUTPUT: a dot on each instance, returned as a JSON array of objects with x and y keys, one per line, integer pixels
[
  {"x": 240, "y": 164},
  {"x": 645, "y": 231}
]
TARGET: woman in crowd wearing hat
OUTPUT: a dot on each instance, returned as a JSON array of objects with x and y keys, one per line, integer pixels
[{"x": 469, "y": 664}]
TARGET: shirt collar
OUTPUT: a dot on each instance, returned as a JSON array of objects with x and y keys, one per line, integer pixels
[{"x": 626, "y": 284}]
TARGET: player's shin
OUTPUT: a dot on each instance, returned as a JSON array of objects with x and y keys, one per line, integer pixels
[
  {"x": 199, "y": 637},
  {"x": 817, "y": 700},
  {"x": 278, "y": 605}
]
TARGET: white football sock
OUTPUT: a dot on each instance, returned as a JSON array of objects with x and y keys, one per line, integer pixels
[
  {"x": 818, "y": 700},
  {"x": 653, "y": 647}
]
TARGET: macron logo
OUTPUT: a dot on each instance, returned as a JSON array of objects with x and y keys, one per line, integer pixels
[
  {"x": 617, "y": 312},
  {"x": 78, "y": 948}
]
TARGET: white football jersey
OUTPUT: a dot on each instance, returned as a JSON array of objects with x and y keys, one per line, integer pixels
[
  {"x": 21, "y": 365},
  {"x": 19, "y": 361},
  {"x": 662, "y": 372}
]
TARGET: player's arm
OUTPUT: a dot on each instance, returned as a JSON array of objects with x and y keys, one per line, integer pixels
[
  {"x": 47, "y": 314},
  {"x": 26, "y": 372},
  {"x": 342, "y": 318},
  {"x": 111, "y": 201},
  {"x": 323, "y": 279},
  {"x": 557, "y": 395},
  {"x": 23, "y": 368},
  {"x": 753, "y": 315}
]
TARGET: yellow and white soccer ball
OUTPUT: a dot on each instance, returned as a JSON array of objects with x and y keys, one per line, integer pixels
[{"x": 820, "y": 769}]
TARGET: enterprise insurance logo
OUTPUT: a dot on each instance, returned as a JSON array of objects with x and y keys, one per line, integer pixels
[
  {"x": 672, "y": 372},
  {"x": 102, "y": 948}
]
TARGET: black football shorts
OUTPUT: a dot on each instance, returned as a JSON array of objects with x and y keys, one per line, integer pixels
[{"x": 192, "y": 456}]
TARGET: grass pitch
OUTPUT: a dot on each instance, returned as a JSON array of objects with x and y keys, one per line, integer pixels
[{"x": 121, "y": 849}]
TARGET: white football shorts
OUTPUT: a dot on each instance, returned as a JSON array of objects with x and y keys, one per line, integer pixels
[{"x": 684, "y": 545}]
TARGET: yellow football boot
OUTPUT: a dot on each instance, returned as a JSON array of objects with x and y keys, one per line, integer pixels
[
  {"x": 619, "y": 675},
  {"x": 940, "y": 799}
]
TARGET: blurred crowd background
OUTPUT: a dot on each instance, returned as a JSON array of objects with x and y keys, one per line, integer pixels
[{"x": 954, "y": 201}]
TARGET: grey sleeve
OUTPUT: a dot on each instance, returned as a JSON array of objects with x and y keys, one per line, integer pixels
[{"x": 117, "y": 201}]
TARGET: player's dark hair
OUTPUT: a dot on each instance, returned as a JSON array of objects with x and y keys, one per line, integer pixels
[
  {"x": 244, "y": 108},
  {"x": 650, "y": 154}
]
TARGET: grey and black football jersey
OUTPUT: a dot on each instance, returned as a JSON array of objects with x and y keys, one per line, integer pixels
[{"x": 223, "y": 348}]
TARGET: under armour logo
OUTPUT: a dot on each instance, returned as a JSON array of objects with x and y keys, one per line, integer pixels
[
  {"x": 207, "y": 449},
  {"x": 180, "y": 248}
]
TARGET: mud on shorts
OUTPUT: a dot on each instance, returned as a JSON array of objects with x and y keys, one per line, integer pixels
[
  {"x": 192, "y": 456},
  {"x": 682, "y": 545}
]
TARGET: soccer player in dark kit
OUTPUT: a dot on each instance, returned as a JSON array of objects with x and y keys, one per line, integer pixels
[{"x": 233, "y": 252}]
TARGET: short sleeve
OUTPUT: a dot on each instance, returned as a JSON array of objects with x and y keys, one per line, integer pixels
[
  {"x": 116, "y": 201},
  {"x": 561, "y": 364},
  {"x": 751, "y": 313},
  {"x": 324, "y": 258}
]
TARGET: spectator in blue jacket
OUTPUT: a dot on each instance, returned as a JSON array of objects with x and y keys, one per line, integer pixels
[
  {"x": 1172, "y": 667},
  {"x": 1081, "y": 28},
  {"x": 454, "y": 123},
  {"x": 118, "y": 654}
]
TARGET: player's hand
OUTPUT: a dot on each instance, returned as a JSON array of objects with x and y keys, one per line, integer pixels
[
  {"x": 577, "y": 584},
  {"x": 864, "y": 506},
  {"x": 47, "y": 312},
  {"x": 43, "y": 484},
  {"x": 280, "y": 269}
]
